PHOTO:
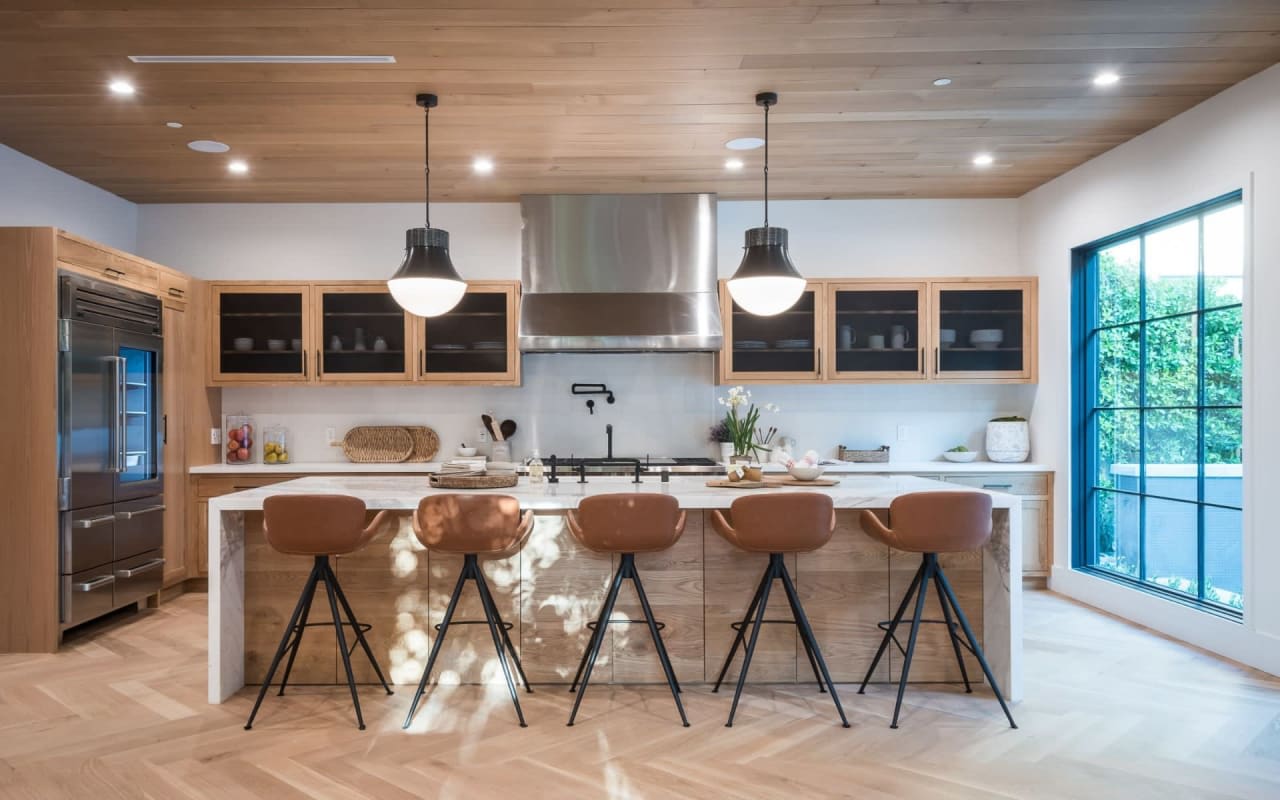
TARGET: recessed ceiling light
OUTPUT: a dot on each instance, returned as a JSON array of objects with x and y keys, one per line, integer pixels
[
  {"x": 745, "y": 143},
  {"x": 208, "y": 146},
  {"x": 237, "y": 167},
  {"x": 482, "y": 165},
  {"x": 941, "y": 81},
  {"x": 983, "y": 160},
  {"x": 173, "y": 124},
  {"x": 733, "y": 164},
  {"x": 260, "y": 59},
  {"x": 122, "y": 88},
  {"x": 1107, "y": 78}
]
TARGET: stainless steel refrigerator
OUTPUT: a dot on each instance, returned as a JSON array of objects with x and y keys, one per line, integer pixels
[{"x": 110, "y": 440}]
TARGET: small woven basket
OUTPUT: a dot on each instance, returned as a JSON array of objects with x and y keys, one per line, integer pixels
[
  {"x": 493, "y": 480},
  {"x": 878, "y": 456},
  {"x": 377, "y": 444},
  {"x": 426, "y": 443}
]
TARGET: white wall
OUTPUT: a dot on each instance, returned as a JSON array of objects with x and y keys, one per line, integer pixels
[
  {"x": 1228, "y": 142},
  {"x": 666, "y": 402},
  {"x": 34, "y": 194}
]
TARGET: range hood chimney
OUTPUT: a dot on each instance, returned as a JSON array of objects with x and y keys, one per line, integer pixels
[{"x": 619, "y": 273}]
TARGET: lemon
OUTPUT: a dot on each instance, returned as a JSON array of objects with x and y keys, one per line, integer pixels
[
  {"x": 271, "y": 457},
  {"x": 283, "y": 458}
]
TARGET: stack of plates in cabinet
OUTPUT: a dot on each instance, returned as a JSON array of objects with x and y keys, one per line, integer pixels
[
  {"x": 793, "y": 344},
  {"x": 491, "y": 345},
  {"x": 751, "y": 344},
  {"x": 448, "y": 347}
]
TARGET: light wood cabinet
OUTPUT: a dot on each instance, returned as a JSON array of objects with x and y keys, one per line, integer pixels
[
  {"x": 260, "y": 333},
  {"x": 178, "y": 340},
  {"x": 174, "y": 288},
  {"x": 782, "y": 348},
  {"x": 476, "y": 342},
  {"x": 287, "y": 333},
  {"x": 984, "y": 331},
  {"x": 888, "y": 331},
  {"x": 105, "y": 263}
]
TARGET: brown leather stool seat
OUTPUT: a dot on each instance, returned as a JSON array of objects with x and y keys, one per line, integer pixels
[
  {"x": 777, "y": 524},
  {"x": 931, "y": 523},
  {"x": 626, "y": 524},
  {"x": 473, "y": 525},
  {"x": 319, "y": 526}
]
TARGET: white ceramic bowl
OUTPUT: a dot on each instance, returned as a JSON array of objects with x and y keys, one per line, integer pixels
[
  {"x": 947, "y": 337},
  {"x": 961, "y": 458},
  {"x": 806, "y": 473},
  {"x": 242, "y": 345},
  {"x": 466, "y": 451},
  {"x": 275, "y": 345}
]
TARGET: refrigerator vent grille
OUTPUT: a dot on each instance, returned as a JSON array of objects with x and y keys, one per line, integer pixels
[{"x": 104, "y": 304}]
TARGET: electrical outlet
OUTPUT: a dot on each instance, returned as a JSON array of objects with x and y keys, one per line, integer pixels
[
  {"x": 215, "y": 436},
  {"x": 330, "y": 436},
  {"x": 904, "y": 433},
  {"x": 482, "y": 435}
]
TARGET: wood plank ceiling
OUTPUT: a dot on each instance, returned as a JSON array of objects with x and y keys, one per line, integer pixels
[{"x": 608, "y": 95}]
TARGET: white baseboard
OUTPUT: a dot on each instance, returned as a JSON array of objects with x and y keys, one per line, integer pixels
[{"x": 1233, "y": 640}]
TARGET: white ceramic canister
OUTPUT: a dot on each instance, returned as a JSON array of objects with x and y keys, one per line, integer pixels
[{"x": 1008, "y": 442}]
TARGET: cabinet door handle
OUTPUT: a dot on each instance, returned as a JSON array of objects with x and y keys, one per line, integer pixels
[
  {"x": 937, "y": 362},
  {"x": 921, "y": 360},
  {"x": 304, "y": 363},
  {"x": 422, "y": 360},
  {"x": 995, "y": 486},
  {"x": 176, "y": 292},
  {"x": 319, "y": 364},
  {"x": 819, "y": 363}
]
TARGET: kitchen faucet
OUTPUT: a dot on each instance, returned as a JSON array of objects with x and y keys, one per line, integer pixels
[{"x": 608, "y": 432}]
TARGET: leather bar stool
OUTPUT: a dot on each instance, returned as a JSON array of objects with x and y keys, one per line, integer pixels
[
  {"x": 626, "y": 524},
  {"x": 319, "y": 526},
  {"x": 472, "y": 526},
  {"x": 930, "y": 523},
  {"x": 777, "y": 524}
]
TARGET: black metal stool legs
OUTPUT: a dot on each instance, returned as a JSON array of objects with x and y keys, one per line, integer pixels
[
  {"x": 953, "y": 617},
  {"x": 626, "y": 570},
  {"x": 777, "y": 570},
  {"x": 298, "y": 624},
  {"x": 497, "y": 629}
]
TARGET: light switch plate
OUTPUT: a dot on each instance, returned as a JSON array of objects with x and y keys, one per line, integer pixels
[
  {"x": 215, "y": 436},
  {"x": 904, "y": 433}
]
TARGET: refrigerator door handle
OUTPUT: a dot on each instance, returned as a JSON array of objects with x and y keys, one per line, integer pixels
[
  {"x": 131, "y": 514},
  {"x": 154, "y": 563},
  {"x": 97, "y": 583},
  {"x": 93, "y": 522},
  {"x": 120, "y": 414}
]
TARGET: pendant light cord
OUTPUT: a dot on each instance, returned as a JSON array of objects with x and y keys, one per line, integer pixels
[
  {"x": 426, "y": 159},
  {"x": 766, "y": 165}
]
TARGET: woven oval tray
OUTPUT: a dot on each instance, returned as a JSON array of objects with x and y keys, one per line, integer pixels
[
  {"x": 500, "y": 480},
  {"x": 426, "y": 443},
  {"x": 377, "y": 444}
]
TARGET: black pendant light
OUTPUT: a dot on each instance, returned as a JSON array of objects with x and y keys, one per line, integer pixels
[
  {"x": 766, "y": 282},
  {"x": 427, "y": 283}
]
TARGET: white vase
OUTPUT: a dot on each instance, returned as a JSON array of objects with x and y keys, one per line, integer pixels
[
  {"x": 1008, "y": 442},
  {"x": 726, "y": 452}
]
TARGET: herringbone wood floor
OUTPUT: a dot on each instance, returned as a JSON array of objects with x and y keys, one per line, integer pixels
[{"x": 1112, "y": 711}]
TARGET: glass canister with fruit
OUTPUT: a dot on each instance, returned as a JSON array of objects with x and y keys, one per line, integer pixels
[
  {"x": 275, "y": 445},
  {"x": 241, "y": 439}
]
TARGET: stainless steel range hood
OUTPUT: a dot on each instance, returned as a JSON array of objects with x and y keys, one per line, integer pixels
[{"x": 619, "y": 273}]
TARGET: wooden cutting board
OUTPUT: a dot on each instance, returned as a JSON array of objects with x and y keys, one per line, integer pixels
[
  {"x": 728, "y": 484},
  {"x": 787, "y": 480}
]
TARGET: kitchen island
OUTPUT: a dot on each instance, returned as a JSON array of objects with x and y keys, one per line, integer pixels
[{"x": 551, "y": 588}]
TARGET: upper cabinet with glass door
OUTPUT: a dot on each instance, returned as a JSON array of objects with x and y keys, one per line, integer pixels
[
  {"x": 785, "y": 347},
  {"x": 984, "y": 330},
  {"x": 260, "y": 334},
  {"x": 476, "y": 341},
  {"x": 361, "y": 334},
  {"x": 876, "y": 331}
]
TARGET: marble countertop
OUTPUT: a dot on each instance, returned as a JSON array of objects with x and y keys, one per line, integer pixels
[
  {"x": 346, "y": 467},
  {"x": 403, "y": 493}
]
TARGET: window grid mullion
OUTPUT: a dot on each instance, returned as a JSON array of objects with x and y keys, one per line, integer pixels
[
  {"x": 1200, "y": 398},
  {"x": 1142, "y": 408}
]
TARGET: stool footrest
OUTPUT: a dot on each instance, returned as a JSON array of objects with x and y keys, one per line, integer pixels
[
  {"x": 955, "y": 633},
  {"x": 593, "y": 624},
  {"x": 737, "y": 626},
  {"x": 506, "y": 626}
]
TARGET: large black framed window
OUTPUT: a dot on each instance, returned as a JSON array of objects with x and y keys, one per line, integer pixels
[{"x": 1158, "y": 441}]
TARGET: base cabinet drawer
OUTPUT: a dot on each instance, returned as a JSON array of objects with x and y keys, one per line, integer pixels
[
  {"x": 87, "y": 594},
  {"x": 138, "y": 577},
  {"x": 139, "y": 527},
  {"x": 1024, "y": 484}
]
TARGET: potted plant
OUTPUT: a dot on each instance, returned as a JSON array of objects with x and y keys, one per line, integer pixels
[
  {"x": 1008, "y": 439},
  {"x": 742, "y": 419},
  {"x": 719, "y": 435}
]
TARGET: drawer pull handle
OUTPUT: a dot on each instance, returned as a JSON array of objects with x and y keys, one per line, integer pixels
[
  {"x": 96, "y": 583},
  {"x": 132, "y": 514},
  {"x": 997, "y": 486},
  {"x": 93, "y": 522},
  {"x": 176, "y": 292},
  {"x": 154, "y": 563}
]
